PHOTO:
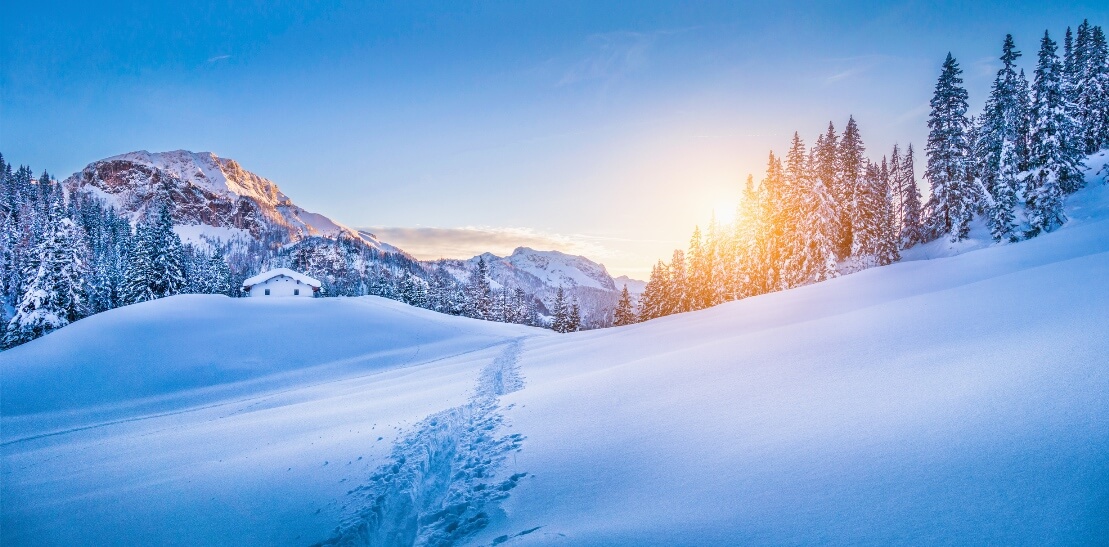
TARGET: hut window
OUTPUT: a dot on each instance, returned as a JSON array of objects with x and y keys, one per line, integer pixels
[
  {"x": 267, "y": 292},
  {"x": 296, "y": 292}
]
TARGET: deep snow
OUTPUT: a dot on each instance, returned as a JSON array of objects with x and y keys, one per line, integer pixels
[{"x": 957, "y": 400}]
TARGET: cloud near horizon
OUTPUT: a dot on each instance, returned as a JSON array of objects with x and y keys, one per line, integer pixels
[{"x": 428, "y": 243}]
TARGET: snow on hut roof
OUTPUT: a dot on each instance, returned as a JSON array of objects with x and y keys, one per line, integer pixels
[{"x": 270, "y": 274}]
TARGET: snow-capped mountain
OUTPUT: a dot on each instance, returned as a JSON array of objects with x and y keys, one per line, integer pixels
[
  {"x": 214, "y": 197},
  {"x": 541, "y": 273}
]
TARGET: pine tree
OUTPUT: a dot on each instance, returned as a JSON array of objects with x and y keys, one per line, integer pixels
[
  {"x": 1055, "y": 159},
  {"x": 818, "y": 228},
  {"x": 624, "y": 313},
  {"x": 167, "y": 258},
  {"x": 911, "y": 230},
  {"x": 480, "y": 292},
  {"x": 954, "y": 197},
  {"x": 852, "y": 167},
  {"x": 573, "y": 317},
  {"x": 676, "y": 297},
  {"x": 747, "y": 231},
  {"x": 789, "y": 215},
  {"x": 561, "y": 320},
  {"x": 219, "y": 273},
  {"x": 699, "y": 280},
  {"x": 653, "y": 302},
  {"x": 1090, "y": 89},
  {"x": 1000, "y": 144},
  {"x": 874, "y": 243},
  {"x": 54, "y": 294}
]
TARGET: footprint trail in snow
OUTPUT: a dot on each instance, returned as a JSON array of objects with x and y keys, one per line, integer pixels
[{"x": 440, "y": 485}]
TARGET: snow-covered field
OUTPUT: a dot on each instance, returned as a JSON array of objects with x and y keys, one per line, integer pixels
[{"x": 957, "y": 400}]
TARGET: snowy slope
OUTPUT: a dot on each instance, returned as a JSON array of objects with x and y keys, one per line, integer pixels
[
  {"x": 960, "y": 400},
  {"x": 204, "y": 419},
  {"x": 214, "y": 197}
]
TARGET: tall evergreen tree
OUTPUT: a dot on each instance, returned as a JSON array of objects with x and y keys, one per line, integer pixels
[
  {"x": 167, "y": 258},
  {"x": 911, "y": 230},
  {"x": 818, "y": 228},
  {"x": 624, "y": 313},
  {"x": 1054, "y": 161},
  {"x": 1001, "y": 150},
  {"x": 54, "y": 294},
  {"x": 852, "y": 167},
  {"x": 954, "y": 196},
  {"x": 561, "y": 312},
  {"x": 652, "y": 303}
]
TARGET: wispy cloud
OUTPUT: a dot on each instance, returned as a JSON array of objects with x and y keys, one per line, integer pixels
[
  {"x": 218, "y": 58},
  {"x": 427, "y": 243},
  {"x": 846, "y": 68},
  {"x": 610, "y": 55},
  {"x": 985, "y": 67},
  {"x": 915, "y": 113}
]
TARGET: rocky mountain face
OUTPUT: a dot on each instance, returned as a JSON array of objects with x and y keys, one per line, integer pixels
[{"x": 213, "y": 197}]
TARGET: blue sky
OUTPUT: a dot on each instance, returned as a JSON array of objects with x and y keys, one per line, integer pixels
[{"x": 608, "y": 129}]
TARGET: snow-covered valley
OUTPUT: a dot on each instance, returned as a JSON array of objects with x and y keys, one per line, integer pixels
[{"x": 958, "y": 400}]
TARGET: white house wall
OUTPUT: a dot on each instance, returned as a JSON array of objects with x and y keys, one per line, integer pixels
[{"x": 280, "y": 286}]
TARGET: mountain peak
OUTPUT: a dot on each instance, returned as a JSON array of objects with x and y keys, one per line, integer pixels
[{"x": 215, "y": 195}]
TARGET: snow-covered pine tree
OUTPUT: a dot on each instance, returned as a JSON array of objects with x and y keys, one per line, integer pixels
[
  {"x": 770, "y": 232},
  {"x": 1097, "y": 74},
  {"x": 676, "y": 297},
  {"x": 819, "y": 225},
  {"x": 479, "y": 292},
  {"x": 652, "y": 303},
  {"x": 219, "y": 273},
  {"x": 954, "y": 196},
  {"x": 138, "y": 284},
  {"x": 896, "y": 179},
  {"x": 1000, "y": 146},
  {"x": 867, "y": 230},
  {"x": 167, "y": 256},
  {"x": 911, "y": 230},
  {"x": 1055, "y": 159},
  {"x": 699, "y": 276},
  {"x": 624, "y": 314},
  {"x": 794, "y": 232},
  {"x": 54, "y": 294},
  {"x": 745, "y": 243},
  {"x": 1091, "y": 88},
  {"x": 573, "y": 317},
  {"x": 852, "y": 167},
  {"x": 560, "y": 322}
]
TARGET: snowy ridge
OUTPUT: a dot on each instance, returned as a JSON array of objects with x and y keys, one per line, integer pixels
[{"x": 208, "y": 192}]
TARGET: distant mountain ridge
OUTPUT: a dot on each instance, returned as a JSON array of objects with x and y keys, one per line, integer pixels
[{"x": 541, "y": 273}]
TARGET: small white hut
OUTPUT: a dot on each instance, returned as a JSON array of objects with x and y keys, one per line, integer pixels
[{"x": 281, "y": 282}]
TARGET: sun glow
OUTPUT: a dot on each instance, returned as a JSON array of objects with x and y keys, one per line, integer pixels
[{"x": 724, "y": 211}]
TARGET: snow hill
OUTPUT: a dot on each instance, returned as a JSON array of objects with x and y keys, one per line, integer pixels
[
  {"x": 214, "y": 198},
  {"x": 541, "y": 273},
  {"x": 958, "y": 400}
]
